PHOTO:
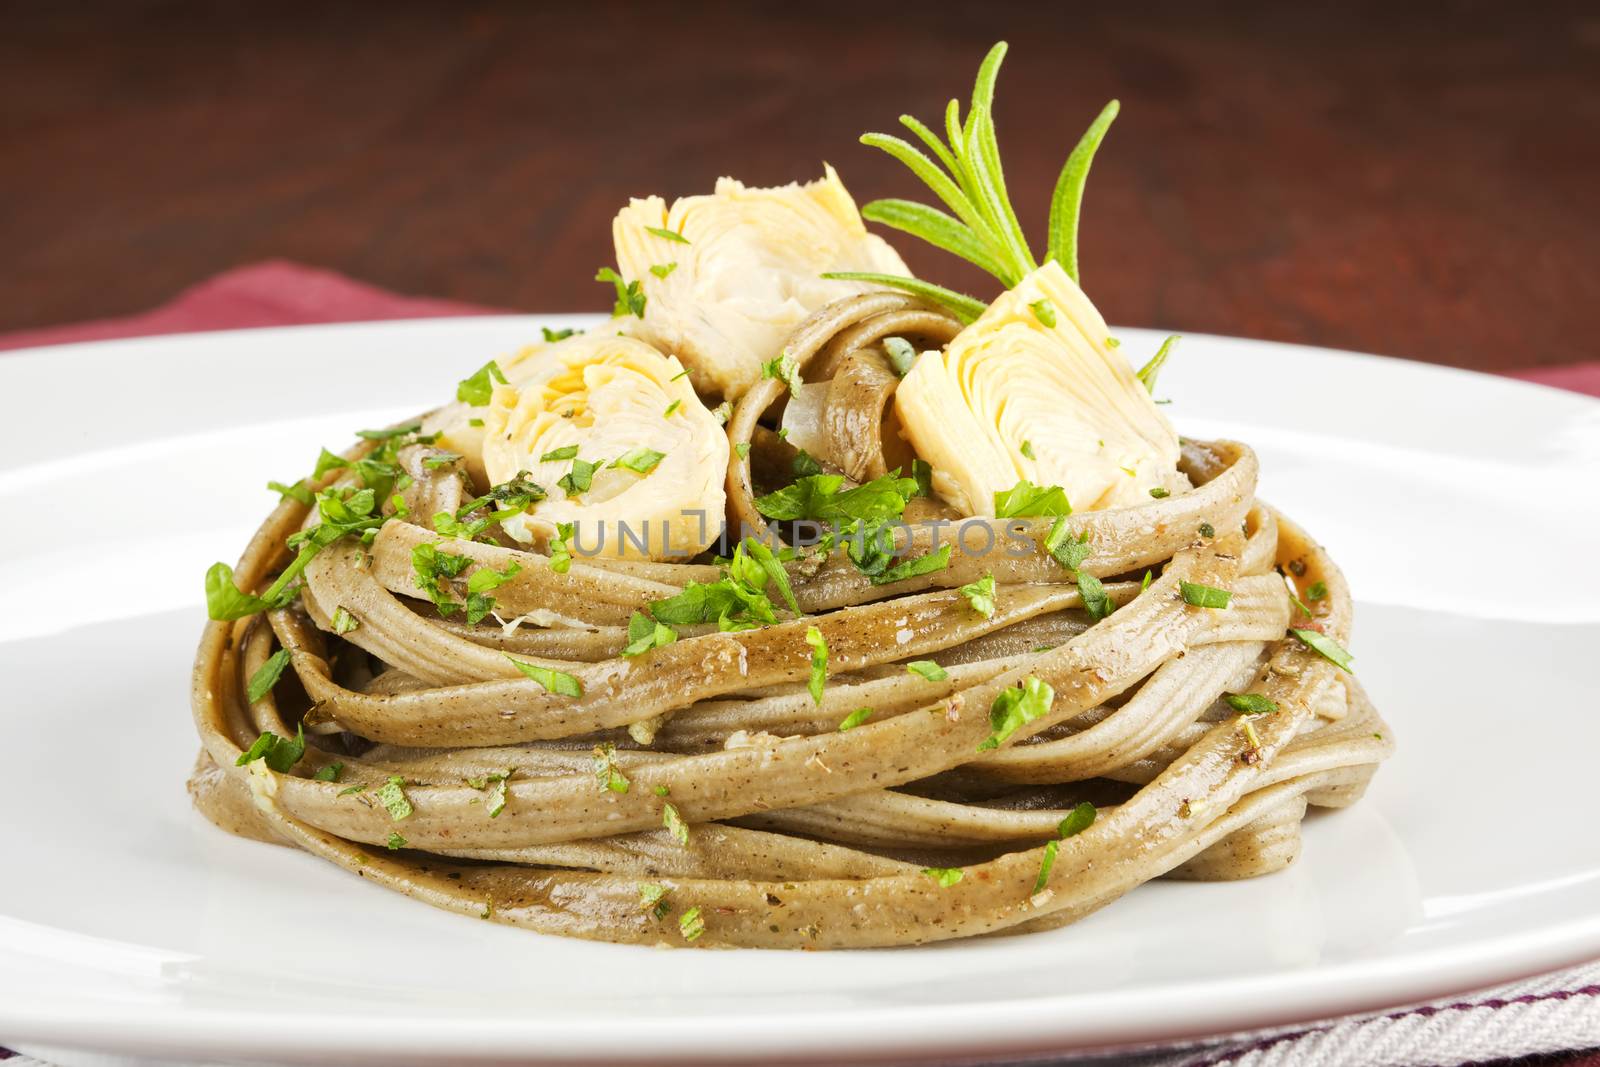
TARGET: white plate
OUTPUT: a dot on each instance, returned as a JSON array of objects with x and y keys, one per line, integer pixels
[{"x": 1463, "y": 508}]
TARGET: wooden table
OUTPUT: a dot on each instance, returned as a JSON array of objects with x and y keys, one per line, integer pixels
[{"x": 1413, "y": 179}]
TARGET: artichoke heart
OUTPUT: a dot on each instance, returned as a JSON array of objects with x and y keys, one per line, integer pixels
[
  {"x": 615, "y": 434},
  {"x": 1033, "y": 390},
  {"x": 744, "y": 270},
  {"x": 454, "y": 423}
]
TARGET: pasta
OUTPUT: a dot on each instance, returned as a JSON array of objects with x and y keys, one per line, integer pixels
[{"x": 893, "y": 713}]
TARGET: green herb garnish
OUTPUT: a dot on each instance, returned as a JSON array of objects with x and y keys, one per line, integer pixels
[
  {"x": 329, "y": 772},
  {"x": 855, "y": 718},
  {"x": 392, "y": 795},
  {"x": 557, "y": 455},
  {"x": 945, "y": 876},
  {"x": 819, "y": 662},
  {"x": 691, "y": 924},
  {"x": 661, "y": 270},
  {"x": 1025, "y": 500},
  {"x": 605, "y": 769},
  {"x": 1063, "y": 549},
  {"x": 553, "y": 681},
  {"x": 1015, "y": 707},
  {"x": 476, "y": 389},
  {"x": 1327, "y": 647},
  {"x": 266, "y": 676},
  {"x": 640, "y": 460},
  {"x": 670, "y": 235},
  {"x": 298, "y": 492},
  {"x": 1147, "y": 373},
  {"x": 980, "y": 594},
  {"x": 1250, "y": 703},
  {"x": 1096, "y": 601},
  {"x": 1204, "y": 596},
  {"x": 645, "y": 633},
  {"x": 630, "y": 295},
  {"x": 928, "y": 670},
  {"x": 279, "y": 753},
  {"x": 675, "y": 824},
  {"x": 1045, "y": 312}
]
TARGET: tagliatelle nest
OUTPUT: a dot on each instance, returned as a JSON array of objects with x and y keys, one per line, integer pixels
[{"x": 470, "y": 785}]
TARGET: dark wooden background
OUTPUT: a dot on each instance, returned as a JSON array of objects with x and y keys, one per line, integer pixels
[{"x": 1416, "y": 179}]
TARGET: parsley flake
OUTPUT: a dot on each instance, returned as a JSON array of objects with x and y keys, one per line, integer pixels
[
  {"x": 675, "y": 824},
  {"x": 1025, "y": 500},
  {"x": 855, "y": 718},
  {"x": 819, "y": 662},
  {"x": 1045, "y": 312},
  {"x": 557, "y": 455},
  {"x": 630, "y": 295},
  {"x": 392, "y": 795},
  {"x": 945, "y": 876},
  {"x": 1250, "y": 703},
  {"x": 1204, "y": 596},
  {"x": 1326, "y": 647},
  {"x": 927, "y": 670},
  {"x": 267, "y": 675},
  {"x": 1014, "y": 708},
  {"x": 553, "y": 681},
  {"x": 279, "y": 753},
  {"x": 670, "y": 235},
  {"x": 980, "y": 594},
  {"x": 476, "y": 389}
]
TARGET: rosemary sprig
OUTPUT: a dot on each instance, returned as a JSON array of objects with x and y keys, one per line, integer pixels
[{"x": 965, "y": 173}]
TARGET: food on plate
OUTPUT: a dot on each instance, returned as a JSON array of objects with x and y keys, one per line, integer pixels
[{"x": 804, "y": 604}]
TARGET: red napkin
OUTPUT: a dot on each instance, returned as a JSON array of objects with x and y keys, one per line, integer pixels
[
  {"x": 273, "y": 293},
  {"x": 280, "y": 293}
]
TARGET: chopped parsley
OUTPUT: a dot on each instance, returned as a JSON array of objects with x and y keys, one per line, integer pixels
[
  {"x": 1318, "y": 591},
  {"x": 1204, "y": 596},
  {"x": 556, "y": 455},
  {"x": 494, "y": 786},
  {"x": 476, "y": 389},
  {"x": 580, "y": 477},
  {"x": 553, "y": 681},
  {"x": 675, "y": 824},
  {"x": 299, "y": 492},
  {"x": 1326, "y": 647},
  {"x": 1027, "y": 450},
  {"x": 330, "y": 772},
  {"x": 1096, "y": 601},
  {"x": 927, "y": 670},
  {"x": 1077, "y": 821},
  {"x": 395, "y": 842},
  {"x": 556, "y": 335},
  {"x": 661, "y": 270},
  {"x": 390, "y": 433},
  {"x": 630, "y": 295},
  {"x": 691, "y": 925},
  {"x": 855, "y": 718},
  {"x": 819, "y": 663},
  {"x": 267, "y": 675},
  {"x": 980, "y": 594},
  {"x": 783, "y": 369},
  {"x": 605, "y": 769},
  {"x": 922, "y": 474},
  {"x": 1147, "y": 373},
  {"x": 560, "y": 553},
  {"x": 432, "y": 572},
  {"x": 1015, "y": 707},
  {"x": 1025, "y": 500},
  {"x": 902, "y": 355},
  {"x": 1207, "y": 530},
  {"x": 945, "y": 876},
  {"x": 645, "y": 633},
  {"x": 653, "y": 898},
  {"x": 279, "y": 753},
  {"x": 674, "y": 406},
  {"x": 670, "y": 235},
  {"x": 766, "y": 566},
  {"x": 723, "y": 412},
  {"x": 1159, "y": 493},
  {"x": 481, "y": 581},
  {"x": 392, "y": 795},
  {"x": 926, "y": 563},
  {"x": 742, "y": 449},
  {"x": 640, "y": 460},
  {"x": 1045, "y": 312},
  {"x": 1063, "y": 549},
  {"x": 1250, "y": 703},
  {"x": 819, "y": 497},
  {"x": 1045, "y": 864}
]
